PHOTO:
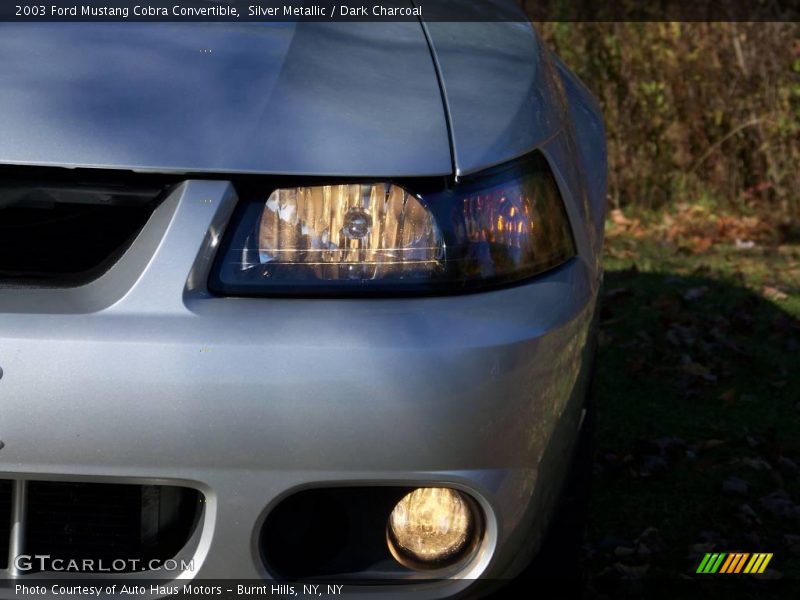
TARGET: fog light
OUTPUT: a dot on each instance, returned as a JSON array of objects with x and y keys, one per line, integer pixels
[{"x": 430, "y": 526}]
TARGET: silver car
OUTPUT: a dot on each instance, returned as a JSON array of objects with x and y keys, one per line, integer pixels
[{"x": 292, "y": 301}]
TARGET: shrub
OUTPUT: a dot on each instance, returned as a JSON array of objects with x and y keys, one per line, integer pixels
[{"x": 694, "y": 110}]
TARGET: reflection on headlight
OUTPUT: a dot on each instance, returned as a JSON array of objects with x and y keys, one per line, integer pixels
[{"x": 349, "y": 231}]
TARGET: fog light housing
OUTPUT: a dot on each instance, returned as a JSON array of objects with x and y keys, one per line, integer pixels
[{"x": 431, "y": 528}]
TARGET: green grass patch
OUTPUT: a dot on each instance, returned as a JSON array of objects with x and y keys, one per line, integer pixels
[{"x": 698, "y": 385}]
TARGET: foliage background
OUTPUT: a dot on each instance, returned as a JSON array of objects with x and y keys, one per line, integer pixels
[
  {"x": 695, "y": 111},
  {"x": 698, "y": 390}
]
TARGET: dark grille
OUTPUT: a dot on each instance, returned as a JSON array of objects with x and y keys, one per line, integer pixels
[
  {"x": 64, "y": 244},
  {"x": 60, "y": 228},
  {"x": 5, "y": 521},
  {"x": 106, "y": 522}
]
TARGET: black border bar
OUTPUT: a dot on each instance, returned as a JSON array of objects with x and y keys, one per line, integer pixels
[{"x": 265, "y": 11}]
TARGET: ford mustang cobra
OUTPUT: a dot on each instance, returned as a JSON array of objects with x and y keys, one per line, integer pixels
[{"x": 292, "y": 301}]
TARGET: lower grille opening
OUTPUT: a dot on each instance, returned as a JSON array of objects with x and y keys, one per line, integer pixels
[
  {"x": 103, "y": 523},
  {"x": 348, "y": 534},
  {"x": 5, "y": 522},
  {"x": 331, "y": 532}
]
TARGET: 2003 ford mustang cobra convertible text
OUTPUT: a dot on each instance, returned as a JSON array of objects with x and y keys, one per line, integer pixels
[{"x": 291, "y": 301}]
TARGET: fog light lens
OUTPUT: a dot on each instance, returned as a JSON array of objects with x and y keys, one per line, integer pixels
[{"x": 430, "y": 526}]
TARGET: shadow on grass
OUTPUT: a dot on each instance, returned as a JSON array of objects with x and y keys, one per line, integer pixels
[{"x": 698, "y": 435}]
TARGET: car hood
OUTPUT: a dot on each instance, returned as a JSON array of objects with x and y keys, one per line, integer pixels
[
  {"x": 500, "y": 88},
  {"x": 338, "y": 99}
]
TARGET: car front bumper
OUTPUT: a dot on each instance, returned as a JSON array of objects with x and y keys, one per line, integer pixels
[{"x": 142, "y": 376}]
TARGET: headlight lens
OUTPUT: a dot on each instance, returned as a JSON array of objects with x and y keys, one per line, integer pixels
[
  {"x": 346, "y": 232},
  {"x": 379, "y": 237}
]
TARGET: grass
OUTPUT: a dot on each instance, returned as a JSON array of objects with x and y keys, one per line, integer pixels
[{"x": 698, "y": 383}]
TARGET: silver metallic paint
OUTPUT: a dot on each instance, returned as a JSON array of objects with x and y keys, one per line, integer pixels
[
  {"x": 251, "y": 397},
  {"x": 508, "y": 109},
  {"x": 142, "y": 375},
  {"x": 304, "y": 99}
]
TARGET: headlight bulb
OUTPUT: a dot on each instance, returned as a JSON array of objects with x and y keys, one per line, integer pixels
[{"x": 357, "y": 224}]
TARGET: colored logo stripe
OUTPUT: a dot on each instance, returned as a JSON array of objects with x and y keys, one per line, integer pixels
[
  {"x": 740, "y": 564},
  {"x": 703, "y": 563},
  {"x": 735, "y": 561},
  {"x": 727, "y": 564},
  {"x": 711, "y": 563},
  {"x": 758, "y": 563},
  {"x": 721, "y": 562}
]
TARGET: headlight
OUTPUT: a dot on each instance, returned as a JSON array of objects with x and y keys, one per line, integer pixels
[
  {"x": 345, "y": 233},
  {"x": 496, "y": 228}
]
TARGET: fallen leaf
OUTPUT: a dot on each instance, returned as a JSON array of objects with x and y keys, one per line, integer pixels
[
  {"x": 734, "y": 485},
  {"x": 709, "y": 444},
  {"x": 629, "y": 572},
  {"x": 748, "y": 515},
  {"x": 758, "y": 464},
  {"x": 652, "y": 464},
  {"x": 773, "y": 293},
  {"x": 610, "y": 543},
  {"x": 695, "y": 293},
  {"x": 695, "y": 369},
  {"x": 789, "y": 465},
  {"x": 651, "y": 539},
  {"x": 619, "y": 218},
  {"x": 780, "y": 505},
  {"x": 699, "y": 245}
]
